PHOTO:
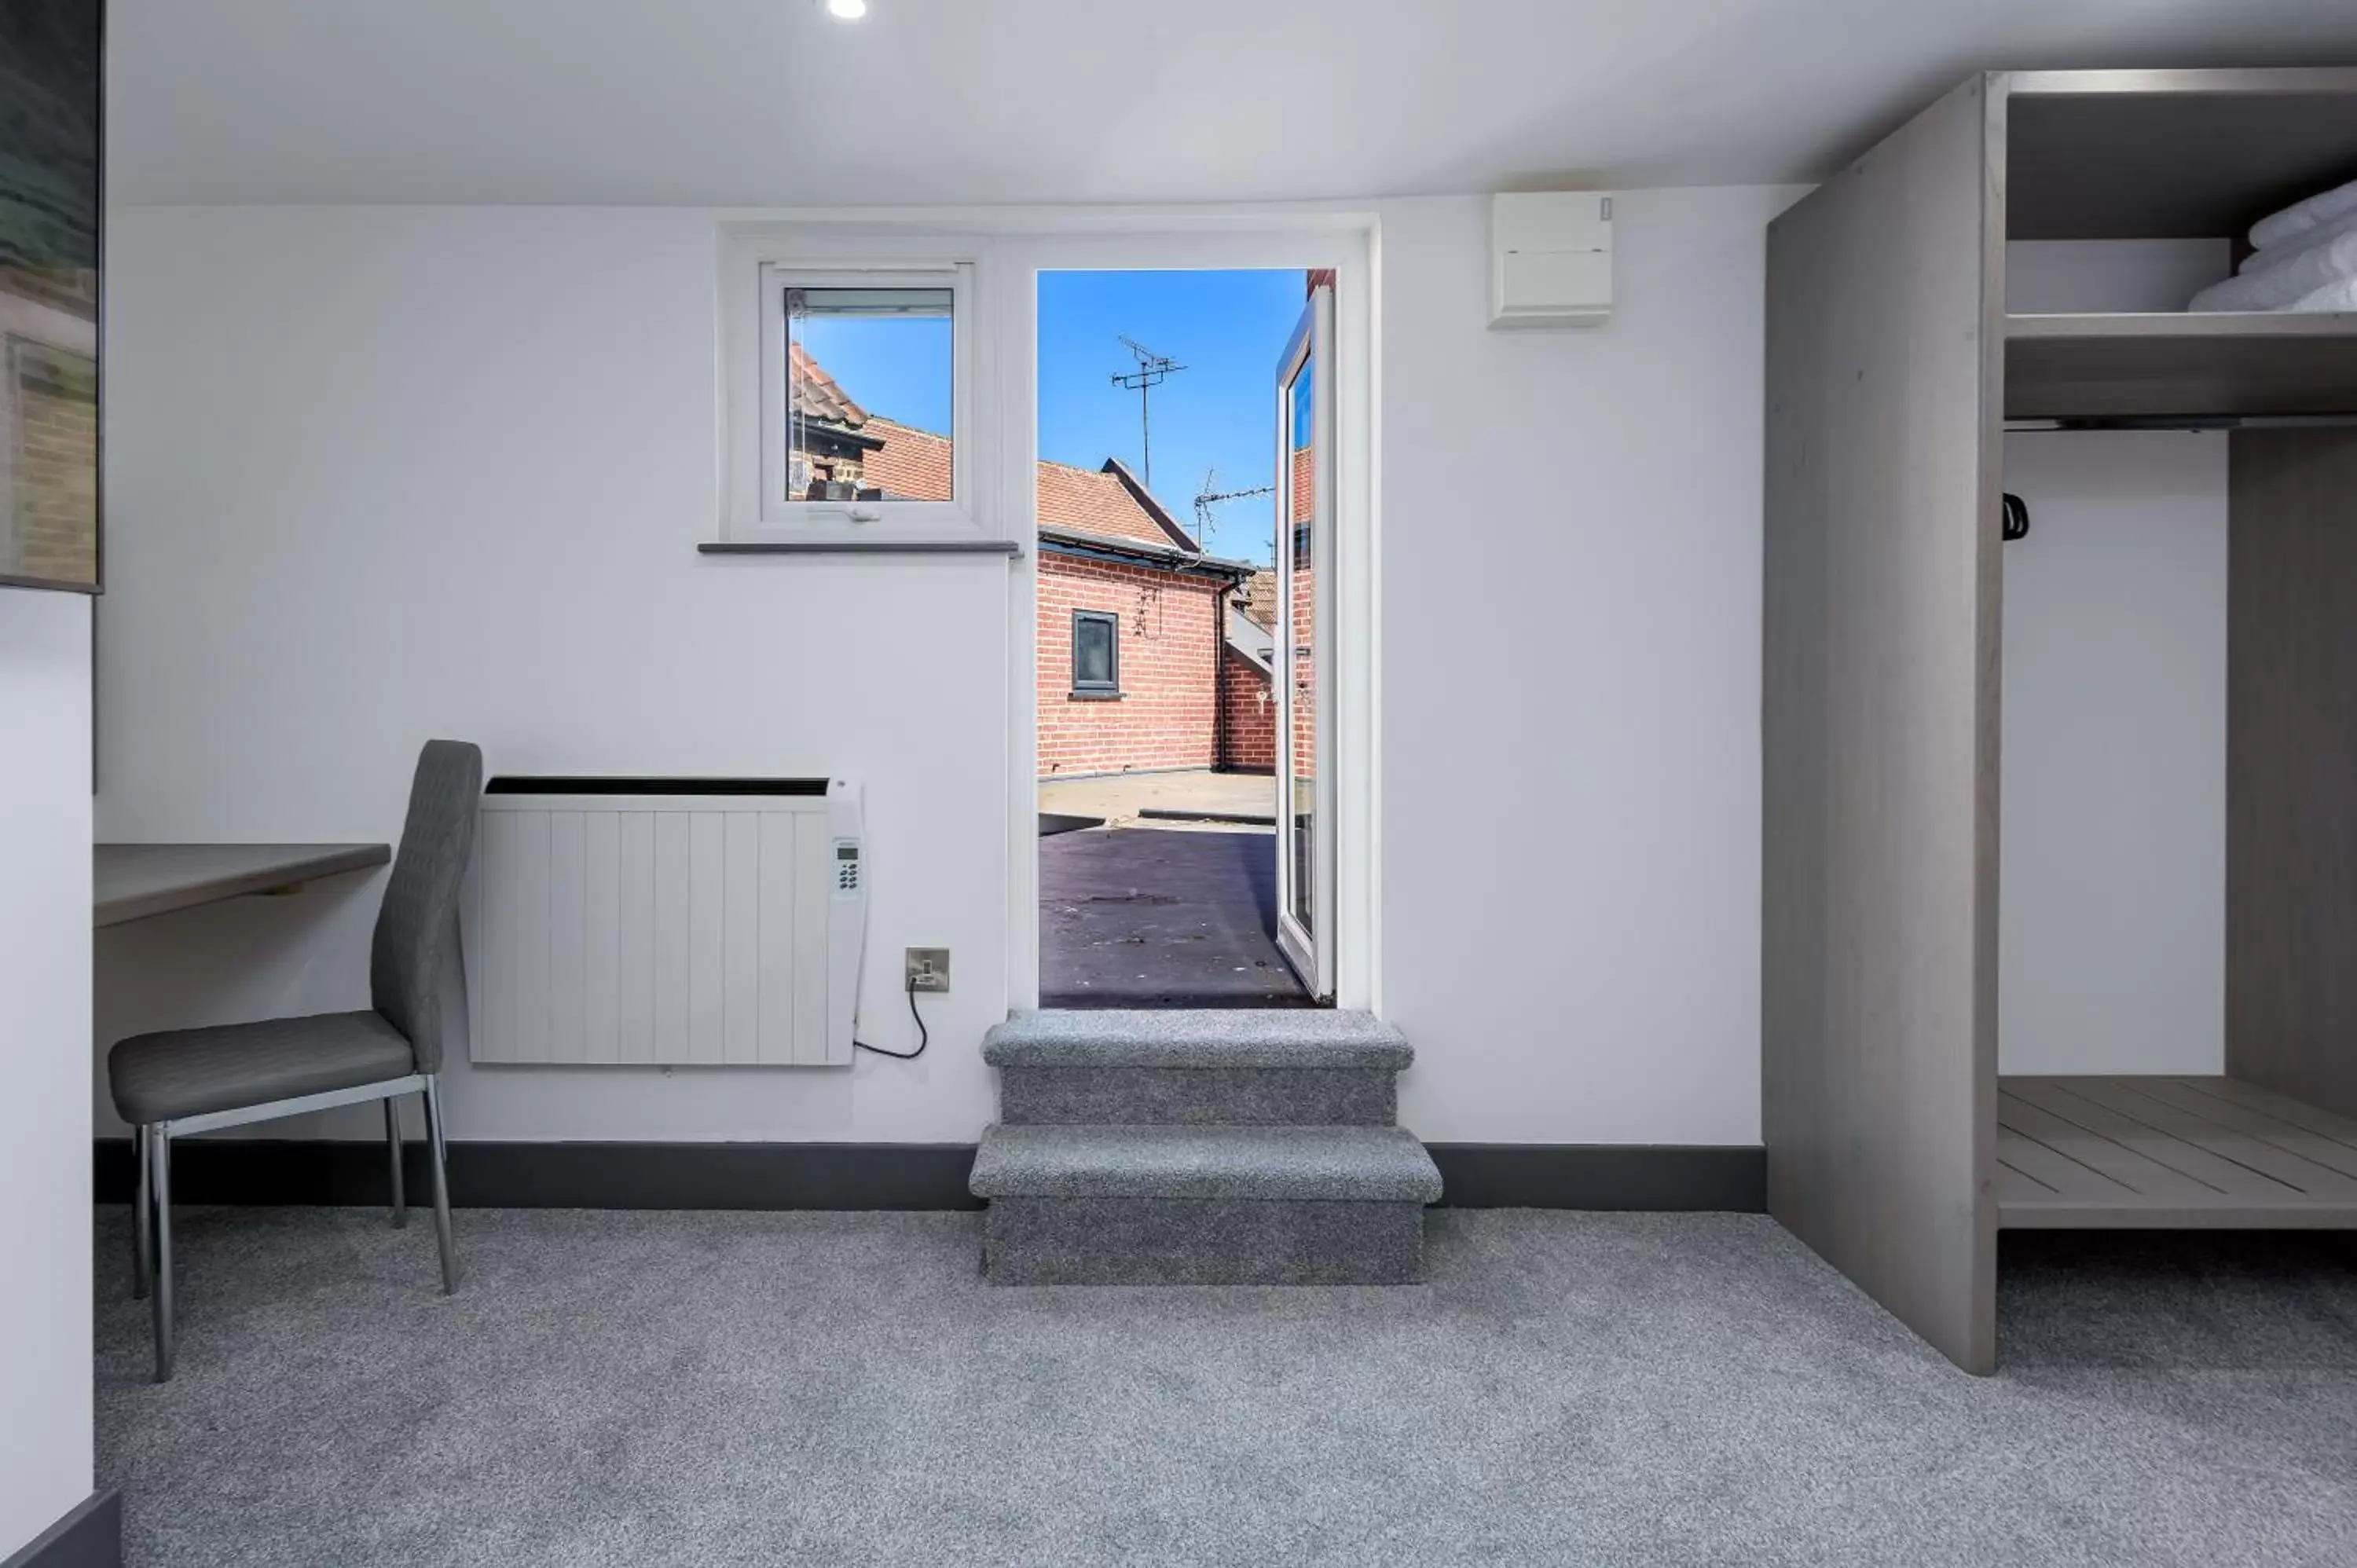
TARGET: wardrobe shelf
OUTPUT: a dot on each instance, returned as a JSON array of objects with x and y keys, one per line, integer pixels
[
  {"x": 2132, "y": 1151},
  {"x": 2180, "y": 365},
  {"x": 2154, "y": 155}
]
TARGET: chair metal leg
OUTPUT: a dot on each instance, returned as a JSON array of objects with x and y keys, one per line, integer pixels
[
  {"x": 142, "y": 1224},
  {"x": 393, "y": 1147},
  {"x": 160, "y": 1145},
  {"x": 441, "y": 1184}
]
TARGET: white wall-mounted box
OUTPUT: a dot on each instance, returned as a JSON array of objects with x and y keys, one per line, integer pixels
[{"x": 1550, "y": 258}]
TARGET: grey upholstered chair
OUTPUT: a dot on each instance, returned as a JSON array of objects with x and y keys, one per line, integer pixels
[{"x": 189, "y": 1080}]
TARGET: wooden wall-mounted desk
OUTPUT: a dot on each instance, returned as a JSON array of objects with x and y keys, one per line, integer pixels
[{"x": 133, "y": 881}]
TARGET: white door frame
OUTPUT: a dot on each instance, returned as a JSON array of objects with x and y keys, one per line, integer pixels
[
  {"x": 1308, "y": 353},
  {"x": 1345, "y": 241}
]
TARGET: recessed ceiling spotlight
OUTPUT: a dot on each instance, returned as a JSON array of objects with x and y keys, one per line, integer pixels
[{"x": 846, "y": 10}]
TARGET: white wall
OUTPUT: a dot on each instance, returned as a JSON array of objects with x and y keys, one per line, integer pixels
[
  {"x": 1571, "y": 670},
  {"x": 2064, "y": 276},
  {"x": 45, "y": 980},
  {"x": 2112, "y": 926},
  {"x": 378, "y": 474},
  {"x": 2111, "y": 917}
]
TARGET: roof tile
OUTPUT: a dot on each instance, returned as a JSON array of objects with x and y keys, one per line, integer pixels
[
  {"x": 912, "y": 464},
  {"x": 815, "y": 395}
]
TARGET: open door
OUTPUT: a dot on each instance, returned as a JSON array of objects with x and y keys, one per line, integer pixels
[{"x": 1304, "y": 544}]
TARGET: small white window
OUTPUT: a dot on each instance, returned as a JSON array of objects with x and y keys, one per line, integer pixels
[
  {"x": 1096, "y": 654},
  {"x": 858, "y": 421}
]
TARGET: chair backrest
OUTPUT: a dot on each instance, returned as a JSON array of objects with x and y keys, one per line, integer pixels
[{"x": 421, "y": 900}]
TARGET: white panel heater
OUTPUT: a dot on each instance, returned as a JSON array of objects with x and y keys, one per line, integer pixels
[{"x": 666, "y": 921}]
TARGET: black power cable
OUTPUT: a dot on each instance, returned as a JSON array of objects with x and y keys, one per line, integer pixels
[{"x": 923, "y": 1040}]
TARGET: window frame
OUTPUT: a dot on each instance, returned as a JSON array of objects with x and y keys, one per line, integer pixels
[
  {"x": 758, "y": 263},
  {"x": 1108, "y": 689}
]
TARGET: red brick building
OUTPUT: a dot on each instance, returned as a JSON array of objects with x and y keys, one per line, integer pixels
[
  {"x": 1249, "y": 688},
  {"x": 1133, "y": 631},
  {"x": 1247, "y": 678},
  {"x": 1305, "y": 611},
  {"x": 1145, "y": 662}
]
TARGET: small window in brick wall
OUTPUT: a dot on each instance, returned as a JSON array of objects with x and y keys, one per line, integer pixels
[{"x": 1097, "y": 654}]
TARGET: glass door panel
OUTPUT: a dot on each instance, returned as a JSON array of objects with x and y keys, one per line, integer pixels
[{"x": 1305, "y": 533}]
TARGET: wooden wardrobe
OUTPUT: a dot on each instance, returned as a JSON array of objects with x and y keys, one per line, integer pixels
[{"x": 1895, "y": 1150}]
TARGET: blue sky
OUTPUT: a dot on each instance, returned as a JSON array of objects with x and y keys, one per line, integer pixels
[
  {"x": 898, "y": 366},
  {"x": 1226, "y": 327}
]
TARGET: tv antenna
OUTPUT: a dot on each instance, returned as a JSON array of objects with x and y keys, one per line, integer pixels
[
  {"x": 1152, "y": 371},
  {"x": 1208, "y": 498}
]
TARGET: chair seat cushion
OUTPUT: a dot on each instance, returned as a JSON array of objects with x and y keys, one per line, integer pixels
[{"x": 187, "y": 1072}]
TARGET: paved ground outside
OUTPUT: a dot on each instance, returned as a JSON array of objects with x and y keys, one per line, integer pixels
[
  {"x": 1118, "y": 799},
  {"x": 1144, "y": 918}
]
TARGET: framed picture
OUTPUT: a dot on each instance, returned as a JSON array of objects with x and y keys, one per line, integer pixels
[{"x": 51, "y": 88}]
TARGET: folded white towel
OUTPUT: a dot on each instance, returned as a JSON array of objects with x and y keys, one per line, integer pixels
[
  {"x": 2299, "y": 244},
  {"x": 2302, "y": 216},
  {"x": 2340, "y": 296},
  {"x": 2274, "y": 286}
]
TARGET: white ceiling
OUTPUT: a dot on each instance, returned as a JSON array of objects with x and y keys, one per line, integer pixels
[{"x": 770, "y": 102}]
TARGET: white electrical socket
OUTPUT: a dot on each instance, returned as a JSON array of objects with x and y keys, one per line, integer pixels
[{"x": 928, "y": 968}]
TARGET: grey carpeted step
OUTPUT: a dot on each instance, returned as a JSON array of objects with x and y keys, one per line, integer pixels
[
  {"x": 1243, "y": 1036},
  {"x": 1199, "y": 1242},
  {"x": 1154, "y": 1205},
  {"x": 1242, "y": 1067},
  {"x": 1309, "y": 1163}
]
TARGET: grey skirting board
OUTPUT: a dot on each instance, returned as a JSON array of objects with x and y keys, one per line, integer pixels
[
  {"x": 1654, "y": 1177},
  {"x": 89, "y": 1537},
  {"x": 1663, "y": 1177},
  {"x": 562, "y": 1176}
]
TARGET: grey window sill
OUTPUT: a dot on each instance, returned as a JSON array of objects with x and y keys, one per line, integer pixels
[
  {"x": 859, "y": 547},
  {"x": 1096, "y": 696}
]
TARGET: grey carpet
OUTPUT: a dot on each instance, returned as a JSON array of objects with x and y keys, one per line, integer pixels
[
  {"x": 783, "y": 1389},
  {"x": 1237, "y": 1067}
]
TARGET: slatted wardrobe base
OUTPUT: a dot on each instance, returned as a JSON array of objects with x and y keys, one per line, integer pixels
[{"x": 2178, "y": 1154}]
